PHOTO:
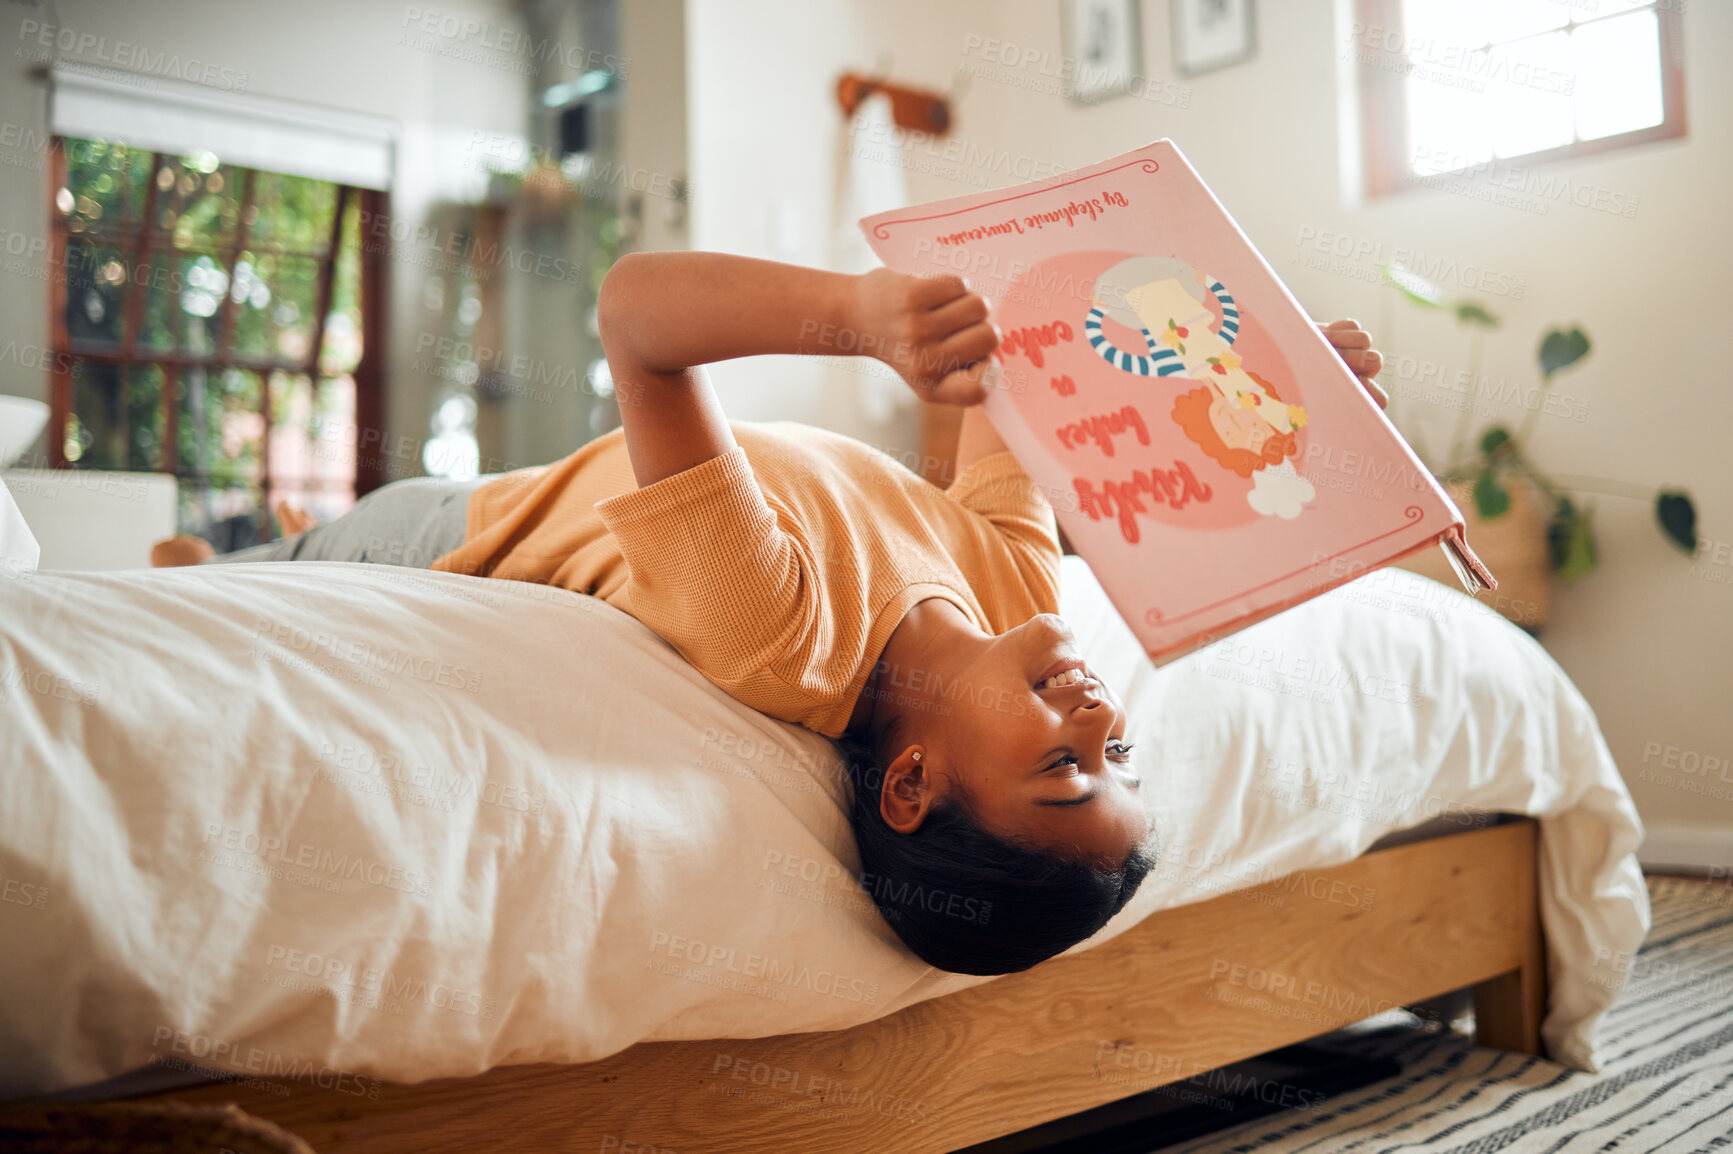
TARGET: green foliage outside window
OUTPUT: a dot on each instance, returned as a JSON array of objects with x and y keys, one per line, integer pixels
[{"x": 212, "y": 302}]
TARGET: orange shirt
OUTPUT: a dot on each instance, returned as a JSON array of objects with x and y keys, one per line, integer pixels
[{"x": 778, "y": 569}]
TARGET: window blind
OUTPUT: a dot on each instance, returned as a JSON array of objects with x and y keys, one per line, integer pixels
[{"x": 242, "y": 128}]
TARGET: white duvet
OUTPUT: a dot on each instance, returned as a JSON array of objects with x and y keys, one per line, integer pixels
[{"x": 396, "y": 824}]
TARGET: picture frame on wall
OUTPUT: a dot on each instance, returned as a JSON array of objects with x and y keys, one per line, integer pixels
[
  {"x": 1103, "y": 46},
  {"x": 1211, "y": 34}
]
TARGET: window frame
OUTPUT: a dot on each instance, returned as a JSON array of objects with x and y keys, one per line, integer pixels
[
  {"x": 1386, "y": 149},
  {"x": 139, "y": 247}
]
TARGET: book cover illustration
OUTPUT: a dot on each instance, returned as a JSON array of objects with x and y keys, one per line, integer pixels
[{"x": 1203, "y": 445}]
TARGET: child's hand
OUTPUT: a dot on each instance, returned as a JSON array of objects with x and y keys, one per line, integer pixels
[
  {"x": 1354, "y": 344},
  {"x": 932, "y": 330}
]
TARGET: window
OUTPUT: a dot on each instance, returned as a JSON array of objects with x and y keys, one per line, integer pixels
[
  {"x": 214, "y": 322},
  {"x": 1458, "y": 86}
]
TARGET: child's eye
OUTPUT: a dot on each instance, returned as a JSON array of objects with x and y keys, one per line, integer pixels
[{"x": 1116, "y": 751}]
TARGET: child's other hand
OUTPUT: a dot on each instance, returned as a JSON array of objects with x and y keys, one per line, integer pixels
[
  {"x": 1354, "y": 345},
  {"x": 932, "y": 330}
]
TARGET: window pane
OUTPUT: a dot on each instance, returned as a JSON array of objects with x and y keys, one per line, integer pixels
[
  {"x": 187, "y": 303},
  {"x": 1515, "y": 19},
  {"x": 1430, "y": 23},
  {"x": 275, "y": 299},
  {"x": 313, "y": 444},
  {"x": 291, "y": 417},
  {"x": 342, "y": 351},
  {"x": 96, "y": 287},
  {"x": 1618, "y": 68},
  {"x": 198, "y": 201},
  {"x": 1528, "y": 104},
  {"x": 292, "y": 212},
  {"x": 162, "y": 328},
  {"x": 144, "y": 387},
  {"x": 222, "y": 427},
  {"x": 117, "y": 411},
  {"x": 192, "y": 303},
  {"x": 1543, "y": 81},
  {"x": 1436, "y": 30},
  {"x": 105, "y": 183},
  {"x": 98, "y": 401},
  {"x": 1447, "y": 126}
]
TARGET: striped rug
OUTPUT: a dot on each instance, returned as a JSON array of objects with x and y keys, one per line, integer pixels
[{"x": 1666, "y": 1081}]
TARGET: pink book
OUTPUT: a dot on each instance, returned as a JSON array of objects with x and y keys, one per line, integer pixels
[{"x": 1205, "y": 448}]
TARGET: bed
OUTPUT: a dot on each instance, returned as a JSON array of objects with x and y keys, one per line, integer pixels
[
  {"x": 1026, "y": 1049},
  {"x": 339, "y": 834}
]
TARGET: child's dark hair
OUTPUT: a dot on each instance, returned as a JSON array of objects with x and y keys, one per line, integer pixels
[{"x": 966, "y": 900}]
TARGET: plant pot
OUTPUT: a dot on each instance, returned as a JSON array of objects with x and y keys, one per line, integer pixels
[{"x": 1512, "y": 545}]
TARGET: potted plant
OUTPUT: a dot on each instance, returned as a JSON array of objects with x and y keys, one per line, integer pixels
[{"x": 1511, "y": 506}]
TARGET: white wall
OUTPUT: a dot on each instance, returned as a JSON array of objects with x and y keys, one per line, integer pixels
[
  {"x": 653, "y": 140},
  {"x": 366, "y": 56},
  {"x": 767, "y": 138},
  {"x": 1649, "y": 645}
]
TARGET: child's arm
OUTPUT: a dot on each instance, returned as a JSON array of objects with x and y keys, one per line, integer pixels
[
  {"x": 978, "y": 438},
  {"x": 663, "y": 316}
]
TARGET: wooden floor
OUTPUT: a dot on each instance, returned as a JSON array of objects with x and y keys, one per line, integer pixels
[{"x": 1186, "y": 990}]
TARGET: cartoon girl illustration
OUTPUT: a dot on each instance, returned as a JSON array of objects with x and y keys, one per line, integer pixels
[{"x": 1235, "y": 416}]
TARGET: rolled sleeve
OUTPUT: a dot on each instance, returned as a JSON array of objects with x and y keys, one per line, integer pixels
[{"x": 711, "y": 570}]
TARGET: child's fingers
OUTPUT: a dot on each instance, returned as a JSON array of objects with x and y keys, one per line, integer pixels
[
  {"x": 967, "y": 346},
  {"x": 1367, "y": 363},
  {"x": 1364, "y": 362},
  {"x": 1349, "y": 338},
  {"x": 957, "y": 314},
  {"x": 930, "y": 292},
  {"x": 1377, "y": 391}
]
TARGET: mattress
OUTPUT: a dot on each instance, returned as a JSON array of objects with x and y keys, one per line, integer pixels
[{"x": 269, "y": 817}]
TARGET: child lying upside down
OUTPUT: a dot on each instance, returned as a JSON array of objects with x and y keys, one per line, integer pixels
[{"x": 815, "y": 579}]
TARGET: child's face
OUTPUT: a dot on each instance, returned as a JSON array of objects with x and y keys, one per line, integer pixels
[{"x": 1042, "y": 762}]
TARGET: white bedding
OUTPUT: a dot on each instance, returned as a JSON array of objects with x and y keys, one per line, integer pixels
[{"x": 270, "y": 818}]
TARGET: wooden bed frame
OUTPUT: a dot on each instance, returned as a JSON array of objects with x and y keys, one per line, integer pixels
[{"x": 1184, "y": 991}]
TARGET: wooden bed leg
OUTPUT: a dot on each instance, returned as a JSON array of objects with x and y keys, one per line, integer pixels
[
  {"x": 1507, "y": 1013},
  {"x": 1508, "y": 1009}
]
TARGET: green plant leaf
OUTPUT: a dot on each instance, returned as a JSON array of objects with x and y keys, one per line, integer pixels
[
  {"x": 1571, "y": 542},
  {"x": 1560, "y": 349},
  {"x": 1562, "y": 513},
  {"x": 1494, "y": 439},
  {"x": 1470, "y": 313},
  {"x": 1413, "y": 286},
  {"x": 1490, "y": 498},
  {"x": 1678, "y": 518}
]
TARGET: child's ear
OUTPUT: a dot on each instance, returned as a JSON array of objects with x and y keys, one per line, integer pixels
[{"x": 907, "y": 793}]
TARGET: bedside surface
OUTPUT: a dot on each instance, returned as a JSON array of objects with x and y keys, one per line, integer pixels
[{"x": 92, "y": 519}]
